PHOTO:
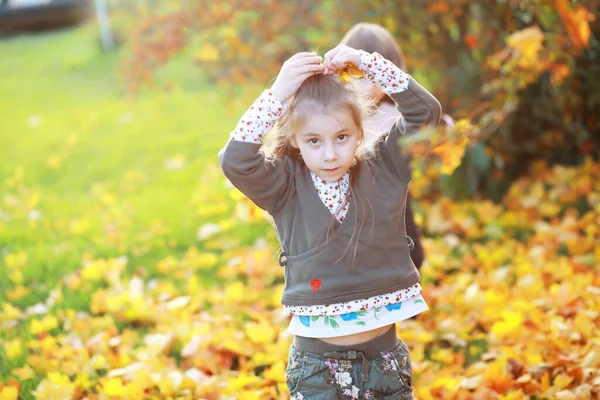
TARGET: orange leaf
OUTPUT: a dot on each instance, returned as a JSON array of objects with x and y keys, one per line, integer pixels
[
  {"x": 451, "y": 154},
  {"x": 576, "y": 23},
  {"x": 439, "y": 7},
  {"x": 559, "y": 73},
  {"x": 350, "y": 72}
]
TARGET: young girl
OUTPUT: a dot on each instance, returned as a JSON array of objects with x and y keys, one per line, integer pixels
[
  {"x": 375, "y": 38},
  {"x": 338, "y": 209}
]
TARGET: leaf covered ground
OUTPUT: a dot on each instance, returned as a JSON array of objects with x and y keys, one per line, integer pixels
[{"x": 129, "y": 269}]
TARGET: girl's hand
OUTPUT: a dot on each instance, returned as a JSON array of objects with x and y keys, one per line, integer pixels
[
  {"x": 295, "y": 71},
  {"x": 339, "y": 57}
]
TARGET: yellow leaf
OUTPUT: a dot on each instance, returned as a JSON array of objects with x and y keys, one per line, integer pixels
[
  {"x": 114, "y": 387},
  {"x": 135, "y": 390},
  {"x": 9, "y": 312},
  {"x": 48, "y": 323},
  {"x": 528, "y": 42},
  {"x": 208, "y": 52},
  {"x": 15, "y": 260},
  {"x": 516, "y": 395},
  {"x": 510, "y": 324},
  {"x": 17, "y": 293},
  {"x": 562, "y": 381},
  {"x": 16, "y": 275},
  {"x": 445, "y": 356},
  {"x": 242, "y": 382},
  {"x": 93, "y": 271},
  {"x": 9, "y": 393},
  {"x": 83, "y": 380},
  {"x": 24, "y": 373},
  {"x": 350, "y": 72},
  {"x": 585, "y": 326},
  {"x": 58, "y": 379},
  {"x": 451, "y": 154},
  {"x": 549, "y": 209},
  {"x": 447, "y": 383},
  {"x": 98, "y": 362},
  {"x": 261, "y": 333},
  {"x": 54, "y": 387},
  {"x": 533, "y": 358},
  {"x": 13, "y": 348},
  {"x": 276, "y": 372}
]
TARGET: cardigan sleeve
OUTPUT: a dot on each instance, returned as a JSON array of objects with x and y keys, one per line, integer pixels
[
  {"x": 417, "y": 106},
  {"x": 264, "y": 180}
]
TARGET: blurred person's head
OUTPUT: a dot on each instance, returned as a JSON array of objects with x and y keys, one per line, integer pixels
[{"x": 374, "y": 38}]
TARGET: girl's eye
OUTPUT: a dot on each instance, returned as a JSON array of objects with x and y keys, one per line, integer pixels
[
  {"x": 313, "y": 141},
  {"x": 342, "y": 137}
]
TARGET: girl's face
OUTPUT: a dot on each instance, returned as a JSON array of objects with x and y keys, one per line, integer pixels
[{"x": 328, "y": 143}]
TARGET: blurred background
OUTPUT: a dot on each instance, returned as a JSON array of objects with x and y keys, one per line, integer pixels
[{"x": 130, "y": 269}]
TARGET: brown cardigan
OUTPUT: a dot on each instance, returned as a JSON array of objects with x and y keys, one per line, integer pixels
[{"x": 325, "y": 265}]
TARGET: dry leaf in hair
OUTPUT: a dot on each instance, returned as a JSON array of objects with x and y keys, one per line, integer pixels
[{"x": 350, "y": 71}]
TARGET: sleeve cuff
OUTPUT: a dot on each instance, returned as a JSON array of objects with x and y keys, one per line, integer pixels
[
  {"x": 258, "y": 120},
  {"x": 384, "y": 73}
]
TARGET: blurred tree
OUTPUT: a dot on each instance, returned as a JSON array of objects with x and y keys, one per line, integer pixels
[
  {"x": 521, "y": 72},
  {"x": 520, "y": 76}
]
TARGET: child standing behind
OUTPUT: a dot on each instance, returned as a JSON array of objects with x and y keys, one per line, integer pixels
[{"x": 338, "y": 208}]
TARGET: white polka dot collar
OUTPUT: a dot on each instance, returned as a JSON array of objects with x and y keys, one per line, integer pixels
[{"x": 334, "y": 194}]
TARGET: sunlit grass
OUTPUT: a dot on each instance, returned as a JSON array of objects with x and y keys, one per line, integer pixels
[{"x": 92, "y": 170}]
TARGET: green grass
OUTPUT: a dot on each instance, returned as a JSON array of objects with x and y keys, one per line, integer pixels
[{"x": 63, "y": 99}]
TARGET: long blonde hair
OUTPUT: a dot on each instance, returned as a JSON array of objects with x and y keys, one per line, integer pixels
[{"x": 317, "y": 95}]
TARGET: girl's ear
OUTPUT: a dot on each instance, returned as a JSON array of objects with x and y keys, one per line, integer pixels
[
  {"x": 293, "y": 142},
  {"x": 361, "y": 136}
]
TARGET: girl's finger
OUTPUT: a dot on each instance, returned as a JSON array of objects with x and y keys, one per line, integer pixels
[
  {"x": 340, "y": 60},
  {"x": 331, "y": 53},
  {"x": 333, "y": 66},
  {"x": 307, "y": 61},
  {"x": 329, "y": 65},
  {"x": 313, "y": 68}
]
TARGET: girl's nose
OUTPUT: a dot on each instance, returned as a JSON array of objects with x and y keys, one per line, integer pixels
[{"x": 330, "y": 153}]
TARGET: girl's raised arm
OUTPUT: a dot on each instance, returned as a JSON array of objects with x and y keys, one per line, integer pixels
[
  {"x": 264, "y": 180},
  {"x": 417, "y": 105}
]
